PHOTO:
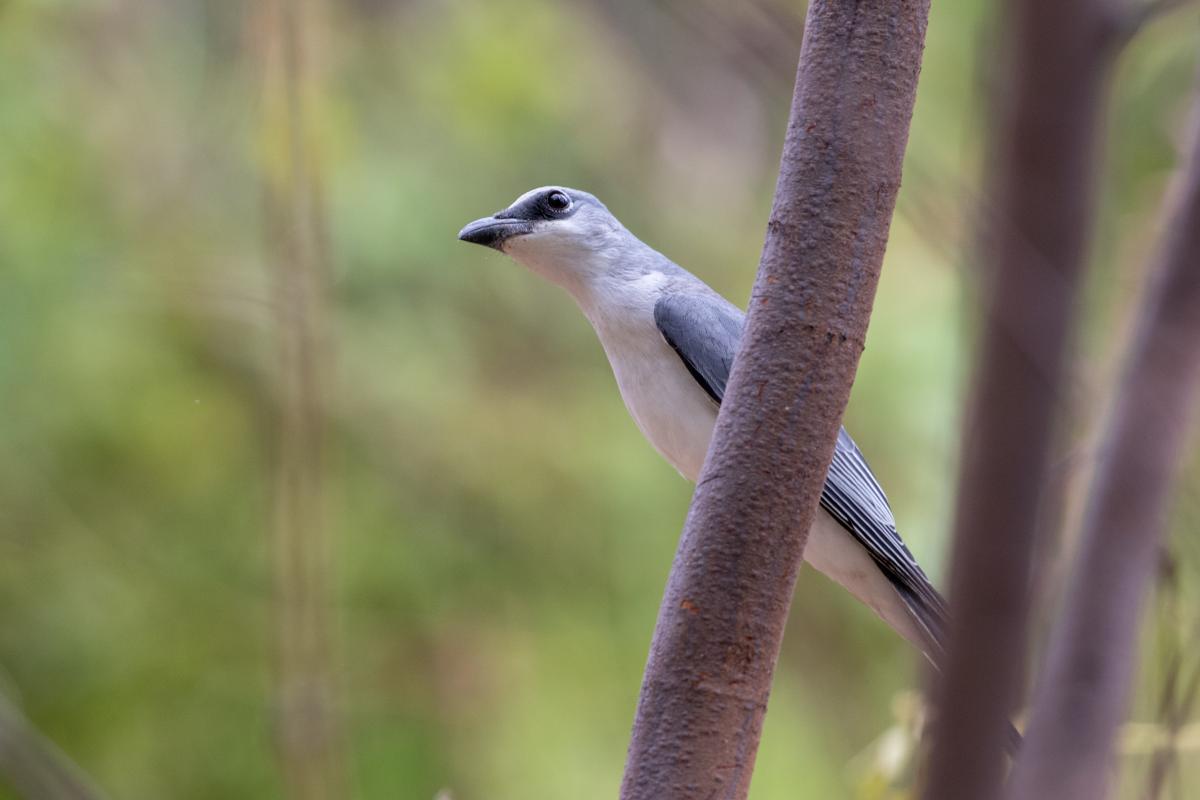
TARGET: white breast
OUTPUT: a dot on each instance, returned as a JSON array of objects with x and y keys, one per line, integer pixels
[
  {"x": 677, "y": 416},
  {"x": 672, "y": 411}
]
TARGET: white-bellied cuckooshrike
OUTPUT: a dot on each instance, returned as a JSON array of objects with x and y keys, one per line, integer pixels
[{"x": 671, "y": 341}]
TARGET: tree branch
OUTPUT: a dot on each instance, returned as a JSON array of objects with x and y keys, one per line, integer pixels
[
  {"x": 1128, "y": 21},
  {"x": 33, "y": 766},
  {"x": 1084, "y": 687},
  {"x": 719, "y": 629},
  {"x": 308, "y": 726},
  {"x": 1033, "y": 250}
]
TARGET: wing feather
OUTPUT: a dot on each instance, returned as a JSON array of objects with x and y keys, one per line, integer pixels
[{"x": 704, "y": 331}]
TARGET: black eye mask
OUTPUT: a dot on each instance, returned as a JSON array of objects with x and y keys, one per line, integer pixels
[{"x": 542, "y": 206}]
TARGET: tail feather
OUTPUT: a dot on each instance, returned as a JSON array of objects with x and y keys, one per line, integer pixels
[{"x": 932, "y": 619}]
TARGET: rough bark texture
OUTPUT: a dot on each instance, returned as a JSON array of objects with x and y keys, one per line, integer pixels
[
  {"x": 1033, "y": 251},
  {"x": 1084, "y": 687},
  {"x": 722, "y": 618}
]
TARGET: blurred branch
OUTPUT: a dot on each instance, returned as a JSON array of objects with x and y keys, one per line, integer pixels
[
  {"x": 1177, "y": 695},
  {"x": 1033, "y": 250},
  {"x": 721, "y": 622},
  {"x": 33, "y": 766},
  {"x": 756, "y": 39},
  {"x": 1140, "y": 738},
  {"x": 1177, "y": 701},
  {"x": 1129, "y": 20},
  {"x": 308, "y": 730},
  {"x": 1084, "y": 685}
]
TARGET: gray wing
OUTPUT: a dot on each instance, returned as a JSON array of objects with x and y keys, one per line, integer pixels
[
  {"x": 704, "y": 331},
  {"x": 855, "y": 499}
]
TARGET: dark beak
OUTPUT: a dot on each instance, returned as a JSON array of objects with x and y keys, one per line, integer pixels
[{"x": 493, "y": 231}]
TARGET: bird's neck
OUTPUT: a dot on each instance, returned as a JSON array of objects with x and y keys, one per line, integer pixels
[{"x": 597, "y": 276}]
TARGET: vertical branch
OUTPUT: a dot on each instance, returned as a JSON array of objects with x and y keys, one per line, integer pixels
[
  {"x": 1034, "y": 255},
  {"x": 719, "y": 629},
  {"x": 308, "y": 731},
  {"x": 1084, "y": 688}
]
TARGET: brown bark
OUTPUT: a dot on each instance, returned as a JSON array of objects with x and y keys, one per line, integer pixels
[
  {"x": 1033, "y": 251},
  {"x": 1084, "y": 687},
  {"x": 722, "y": 617}
]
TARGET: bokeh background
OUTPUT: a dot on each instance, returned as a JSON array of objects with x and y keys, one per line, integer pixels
[{"x": 297, "y": 491}]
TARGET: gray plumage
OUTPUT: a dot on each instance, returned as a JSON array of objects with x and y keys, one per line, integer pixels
[
  {"x": 671, "y": 341},
  {"x": 705, "y": 332}
]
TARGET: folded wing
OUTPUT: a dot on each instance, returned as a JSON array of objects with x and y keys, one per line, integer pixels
[{"x": 704, "y": 331}]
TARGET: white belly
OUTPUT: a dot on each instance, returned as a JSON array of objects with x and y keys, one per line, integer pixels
[
  {"x": 670, "y": 409},
  {"x": 839, "y": 556}
]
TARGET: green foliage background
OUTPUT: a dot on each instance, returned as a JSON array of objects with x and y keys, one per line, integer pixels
[{"x": 499, "y": 532}]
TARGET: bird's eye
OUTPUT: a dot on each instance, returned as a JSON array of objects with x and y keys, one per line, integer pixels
[{"x": 558, "y": 201}]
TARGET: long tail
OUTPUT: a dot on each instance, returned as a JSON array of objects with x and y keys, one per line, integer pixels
[{"x": 932, "y": 618}]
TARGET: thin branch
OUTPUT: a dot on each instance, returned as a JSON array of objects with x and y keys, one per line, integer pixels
[
  {"x": 1177, "y": 694},
  {"x": 1128, "y": 21},
  {"x": 1178, "y": 703},
  {"x": 1084, "y": 688},
  {"x": 719, "y": 629},
  {"x": 33, "y": 766},
  {"x": 308, "y": 729}
]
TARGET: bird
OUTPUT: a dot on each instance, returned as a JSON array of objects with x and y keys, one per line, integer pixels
[{"x": 671, "y": 340}]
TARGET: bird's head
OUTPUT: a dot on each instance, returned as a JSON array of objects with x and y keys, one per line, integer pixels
[{"x": 563, "y": 234}]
